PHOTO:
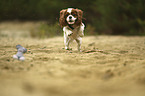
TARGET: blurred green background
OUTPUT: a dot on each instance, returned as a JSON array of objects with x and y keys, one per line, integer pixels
[{"x": 113, "y": 17}]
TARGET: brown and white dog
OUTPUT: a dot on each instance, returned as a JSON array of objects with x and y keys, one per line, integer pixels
[{"x": 71, "y": 22}]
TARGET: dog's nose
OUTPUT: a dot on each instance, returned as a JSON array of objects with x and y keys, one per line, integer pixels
[{"x": 70, "y": 17}]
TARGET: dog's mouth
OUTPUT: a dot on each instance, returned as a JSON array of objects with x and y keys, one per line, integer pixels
[{"x": 71, "y": 22}]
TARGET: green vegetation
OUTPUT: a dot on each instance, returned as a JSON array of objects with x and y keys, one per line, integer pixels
[
  {"x": 123, "y": 17},
  {"x": 46, "y": 30}
]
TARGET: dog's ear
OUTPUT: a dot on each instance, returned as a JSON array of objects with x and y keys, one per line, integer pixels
[
  {"x": 80, "y": 16},
  {"x": 62, "y": 20}
]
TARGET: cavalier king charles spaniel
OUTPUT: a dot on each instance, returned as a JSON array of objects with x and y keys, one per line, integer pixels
[{"x": 71, "y": 22}]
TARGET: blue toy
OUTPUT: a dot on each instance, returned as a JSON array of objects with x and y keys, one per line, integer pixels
[{"x": 19, "y": 55}]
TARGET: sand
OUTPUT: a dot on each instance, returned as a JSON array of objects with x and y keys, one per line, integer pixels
[{"x": 108, "y": 65}]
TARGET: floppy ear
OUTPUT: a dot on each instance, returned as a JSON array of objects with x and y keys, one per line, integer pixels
[
  {"x": 80, "y": 16},
  {"x": 62, "y": 20}
]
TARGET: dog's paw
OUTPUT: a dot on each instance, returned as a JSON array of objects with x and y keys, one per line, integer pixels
[
  {"x": 69, "y": 33},
  {"x": 66, "y": 48},
  {"x": 81, "y": 34}
]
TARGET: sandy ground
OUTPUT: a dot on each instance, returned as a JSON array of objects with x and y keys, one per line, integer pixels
[{"x": 108, "y": 65}]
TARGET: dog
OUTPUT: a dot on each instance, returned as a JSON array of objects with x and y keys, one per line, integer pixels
[{"x": 71, "y": 22}]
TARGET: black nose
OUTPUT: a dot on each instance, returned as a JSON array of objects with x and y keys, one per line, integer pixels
[{"x": 70, "y": 17}]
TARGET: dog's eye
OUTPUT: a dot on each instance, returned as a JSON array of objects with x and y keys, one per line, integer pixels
[
  {"x": 74, "y": 14},
  {"x": 67, "y": 14}
]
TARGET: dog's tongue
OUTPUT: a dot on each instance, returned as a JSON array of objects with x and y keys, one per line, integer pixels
[{"x": 71, "y": 22}]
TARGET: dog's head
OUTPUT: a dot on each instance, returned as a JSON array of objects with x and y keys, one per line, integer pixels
[{"x": 70, "y": 16}]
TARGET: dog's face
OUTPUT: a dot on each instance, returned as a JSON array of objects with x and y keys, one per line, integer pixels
[{"x": 70, "y": 16}]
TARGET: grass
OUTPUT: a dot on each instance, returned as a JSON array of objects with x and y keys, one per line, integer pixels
[{"x": 45, "y": 30}]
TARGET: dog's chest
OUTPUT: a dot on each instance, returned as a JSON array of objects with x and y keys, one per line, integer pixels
[{"x": 75, "y": 33}]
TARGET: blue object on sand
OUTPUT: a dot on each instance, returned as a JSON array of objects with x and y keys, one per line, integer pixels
[{"x": 19, "y": 55}]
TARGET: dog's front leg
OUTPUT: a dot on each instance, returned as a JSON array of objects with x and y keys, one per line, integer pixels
[
  {"x": 67, "y": 41},
  {"x": 67, "y": 31},
  {"x": 81, "y": 30},
  {"x": 67, "y": 38},
  {"x": 79, "y": 41}
]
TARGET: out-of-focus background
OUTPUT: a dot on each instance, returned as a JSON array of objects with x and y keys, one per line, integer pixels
[
  {"x": 115, "y": 17},
  {"x": 112, "y": 61}
]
